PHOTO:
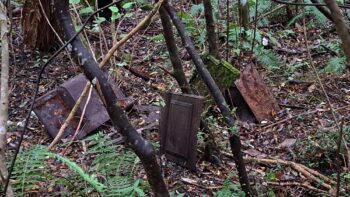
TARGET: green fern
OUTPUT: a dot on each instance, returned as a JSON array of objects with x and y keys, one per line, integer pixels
[
  {"x": 335, "y": 65},
  {"x": 117, "y": 168},
  {"x": 229, "y": 189},
  {"x": 319, "y": 18},
  {"x": 30, "y": 172},
  {"x": 267, "y": 58},
  {"x": 112, "y": 162}
]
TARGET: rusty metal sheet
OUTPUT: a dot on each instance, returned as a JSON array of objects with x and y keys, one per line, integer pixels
[
  {"x": 257, "y": 95},
  {"x": 52, "y": 109},
  {"x": 61, "y": 100},
  {"x": 179, "y": 123}
]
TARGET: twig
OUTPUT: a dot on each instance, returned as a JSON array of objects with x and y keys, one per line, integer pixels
[
  {"x": 268, "y": 13},
  {"x": 304, "y": 114},
  {"x": 80, "y": 121},
  {"x": 166, "y": 70},
  {"x": 309, "y": 173},
  {"x": 305, "y": 185},
  {"x": 37, "y": 90},
  {"x": 339, "y": 156},
  {"x": 53, "y": 29},
  {"x": 298, "y": 167},
  {"x": 70, "y": 116}
]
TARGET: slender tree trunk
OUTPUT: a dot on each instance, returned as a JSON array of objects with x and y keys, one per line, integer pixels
[
  {"x": 243, "y": 9},
  {"x": 216, "y": 93},
  {"x": 212, "y": 36},
  {"x": 178, "y": 71},
  {"x": 341, "y": 28},
  {"x": 143, "y": 149},
  {"x": 4, "y": 101}
]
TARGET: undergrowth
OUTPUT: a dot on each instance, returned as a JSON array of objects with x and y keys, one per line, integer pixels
[{"x": 111, "y": 172}]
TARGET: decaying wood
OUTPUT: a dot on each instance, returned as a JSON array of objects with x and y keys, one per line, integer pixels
[
  {"x": 305, "y": 185},
  {"x": 143, "y": 149},
  {"x": 310, "y": 174}
]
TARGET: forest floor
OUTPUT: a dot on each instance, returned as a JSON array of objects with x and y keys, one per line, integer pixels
[{"x": 303, "y": 132}]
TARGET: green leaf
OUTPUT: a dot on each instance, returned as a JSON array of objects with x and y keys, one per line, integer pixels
[
  {"x": 127, "y": 5},
  {"x": 127, "y": 15},
  {"x": 271, "y": 176},
  {"x": 115, "y": 16},
  {"x": 87, "y": 10},
  {"x": 114, "y": 9},
  {"x": 100, "y": 20},
  {"x": 74, "y": 1}
]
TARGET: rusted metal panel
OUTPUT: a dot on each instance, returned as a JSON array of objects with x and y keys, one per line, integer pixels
[
  {"x": 256, "y": 94},
  {"x": 53, "y": 108},
  {"x": 179, "y": 123}
]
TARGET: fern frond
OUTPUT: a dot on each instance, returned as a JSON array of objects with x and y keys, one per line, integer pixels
[
  {"x": 267, "y": 58},
  {"x": 335, "y": 65}
]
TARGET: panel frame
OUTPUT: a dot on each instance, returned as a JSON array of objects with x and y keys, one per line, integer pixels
[{"x": 195, "y": 103}]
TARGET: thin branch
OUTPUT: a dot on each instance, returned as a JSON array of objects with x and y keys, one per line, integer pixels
[{"x": 339, "y": 156}]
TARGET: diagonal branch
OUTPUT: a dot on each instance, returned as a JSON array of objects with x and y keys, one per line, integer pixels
[{"x": 143, "y": 149}]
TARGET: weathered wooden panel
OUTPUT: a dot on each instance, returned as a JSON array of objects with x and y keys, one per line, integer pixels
[
  {"x": 180, "y": 119},
  {"x": 257, "y": 95}
]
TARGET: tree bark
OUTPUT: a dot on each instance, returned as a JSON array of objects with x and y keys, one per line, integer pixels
[
  {"x": 341, "y": 27},
  {"x": 37, "y": 33},
  {"x": 212, "y": 37},
  {"x": 4, "y": 100},
  {"x": 178, "y": 71},
  {"x": 143, "y": 149},
  {"x": 216, "y": 93},
  {"x": 243, "y": 9}
]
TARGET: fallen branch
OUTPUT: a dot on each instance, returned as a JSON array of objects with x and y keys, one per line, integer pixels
[
  {"x": 80, "y": 121},
  {"x": 304, "y": 114},
  {"x": 310, "y": 174},
  {"x": 305, "y": 185}
]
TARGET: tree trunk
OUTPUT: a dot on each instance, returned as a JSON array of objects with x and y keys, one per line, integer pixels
[
  {"x": 243, "y": 9},
  {"x": 143, "y": 149},
  {"x": 4, "y": 101},
  {"x": 341, "y": 28},
  {"x": 212, "y": 37},
  {"x": 178, "y": 71},
  {"x": 37, "y": 32}
]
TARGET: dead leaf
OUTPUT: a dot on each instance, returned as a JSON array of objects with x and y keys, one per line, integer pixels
[{"x": 287, "y": 143}]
